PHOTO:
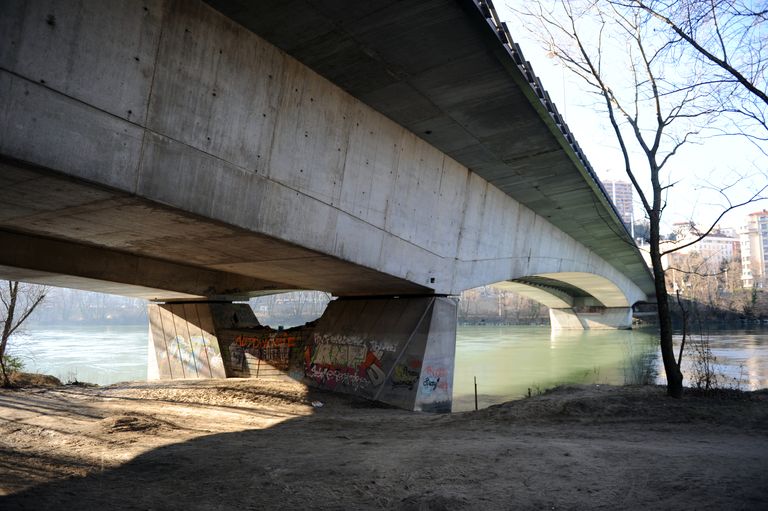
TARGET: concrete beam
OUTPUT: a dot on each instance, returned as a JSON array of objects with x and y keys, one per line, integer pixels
[
  {"x": 548, "y": 296},
  {"x": 61, "y": 263},
  {"x": 73, "y": 212},
  {"x": 606, "y": 292}
]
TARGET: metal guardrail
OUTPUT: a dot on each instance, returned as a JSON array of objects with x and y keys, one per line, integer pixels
[{"x": 513, "y": 49}]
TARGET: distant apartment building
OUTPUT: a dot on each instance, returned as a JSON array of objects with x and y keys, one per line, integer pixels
[
  {"x": 621, "y": 195},
  {"x": 707, "y": 256},
  {"x": 716, "y": 248},
  {"x": 754, "y": 250}
]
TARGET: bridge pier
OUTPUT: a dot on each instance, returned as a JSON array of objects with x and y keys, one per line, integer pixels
[
  {"x": 397, "y": 350},
  {"x": 606, "y": 318}
]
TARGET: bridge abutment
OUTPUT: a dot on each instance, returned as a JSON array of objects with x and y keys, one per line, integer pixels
[
  {"x": 608, "y": 318},
  {"x": 397, "y": 350}
]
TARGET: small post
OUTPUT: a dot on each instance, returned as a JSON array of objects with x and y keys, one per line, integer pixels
[{"x": 475, "y": 393}]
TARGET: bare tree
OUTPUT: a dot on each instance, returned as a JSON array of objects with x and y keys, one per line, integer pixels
[
  {"x": 730, "y": 43},
  {"x": 17, "y": 302},
  {"x": 657, "y": 102},
  {"x": 705, "y": 280}
]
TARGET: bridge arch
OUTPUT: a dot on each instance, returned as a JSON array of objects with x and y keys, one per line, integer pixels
[
  {"x": 569, "y": 289},
  {"x": 576, "y": 300}
]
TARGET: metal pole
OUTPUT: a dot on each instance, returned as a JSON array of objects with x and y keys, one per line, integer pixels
[{"x": 475, "y": 393}]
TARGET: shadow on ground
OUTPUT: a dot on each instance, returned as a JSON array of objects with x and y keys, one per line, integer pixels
[{"x": 367, "y": 458}]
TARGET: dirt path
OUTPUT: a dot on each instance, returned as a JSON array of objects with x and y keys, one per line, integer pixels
[{"x": 255, "y": 444}]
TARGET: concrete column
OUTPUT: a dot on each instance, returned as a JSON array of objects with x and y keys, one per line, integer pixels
[
  {"x": 609, "y": 318},
  {"x": 183, "y": 342},
  {"x": 398, "y": 351},
  {"x": 564, "y": 319}
]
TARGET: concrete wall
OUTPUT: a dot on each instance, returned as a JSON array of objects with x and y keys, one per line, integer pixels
[
  {"x": 183, "y": 343},
  {"x": 174, "y": 102}
]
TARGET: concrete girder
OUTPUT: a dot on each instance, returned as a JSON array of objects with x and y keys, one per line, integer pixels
[
  {"x": 551, "y": 297},
  {"x": 605, "y": 291},
  {"x": 28, "y": 258}
]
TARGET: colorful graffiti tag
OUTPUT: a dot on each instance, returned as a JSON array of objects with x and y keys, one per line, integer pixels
[
  {"x": 273, "y": 347},
  {"x": 434, "y": 379},
  {"x": 352, "y": 361},
  {"x": 406, "y": 376},
  {"x": 194, "y": 355}
]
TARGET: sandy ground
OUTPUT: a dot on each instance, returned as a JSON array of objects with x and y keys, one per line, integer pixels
[{"x": 256, "y": 444}]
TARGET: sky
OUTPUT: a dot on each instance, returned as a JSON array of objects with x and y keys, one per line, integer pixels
[{"x": 714, "y": 162}]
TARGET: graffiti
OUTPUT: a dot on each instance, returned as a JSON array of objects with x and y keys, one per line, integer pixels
[
  {"x": 181, "y": 350},
  {"x": 271, "y": 347},
  {"x": 237, "y": 356},
  {"x": 403, "y": 376},
  {"x": 332, "y": 377},
  {"x": 187, "y": 357},
  {"x": 434, "y": 379},
  {"x": 375, "y": 374},
  {"x": 271, "y": 340},
  {"x": 339, "y": 355},
  {"x": 344, "y": 340},
  {"x": 430, "y": 384},
  {"x": 200, "y": 354},
  {"x": 336, "y": 364},
  {"x": 435, "y": 372}
]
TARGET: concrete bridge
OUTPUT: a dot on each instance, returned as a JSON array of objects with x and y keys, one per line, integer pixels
[{"x": 391, "y": 153}]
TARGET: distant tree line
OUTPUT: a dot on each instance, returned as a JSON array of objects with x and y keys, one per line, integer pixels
[
  {"x": 63, "y": 305},
  {"x": 290, "y": 309},
  {"x": 488, "y": 304}
]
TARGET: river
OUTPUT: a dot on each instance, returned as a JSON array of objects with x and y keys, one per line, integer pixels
[
  {"x": 93, "y": 354},
  {"x": 506, "y": 360},
  {"x": 511, "y": 361}
]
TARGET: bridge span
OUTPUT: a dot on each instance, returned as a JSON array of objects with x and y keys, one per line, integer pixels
[{"x": 391, "y": 153}]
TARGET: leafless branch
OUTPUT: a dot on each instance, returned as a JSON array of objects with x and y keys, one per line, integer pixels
[{"x": 756, "y": 197}]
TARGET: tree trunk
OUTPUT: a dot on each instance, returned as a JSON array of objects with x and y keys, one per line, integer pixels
[
  {"x": 13, "y": 288},
  {"x": 671, "y": 369}
]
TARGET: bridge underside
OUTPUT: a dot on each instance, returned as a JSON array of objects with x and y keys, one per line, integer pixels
[{"x": 61, "y": 231}]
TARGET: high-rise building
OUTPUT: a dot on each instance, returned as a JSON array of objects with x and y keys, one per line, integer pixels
[
  {"x": 754, "y": 250},
  {"x": 621, "y": 195}
]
